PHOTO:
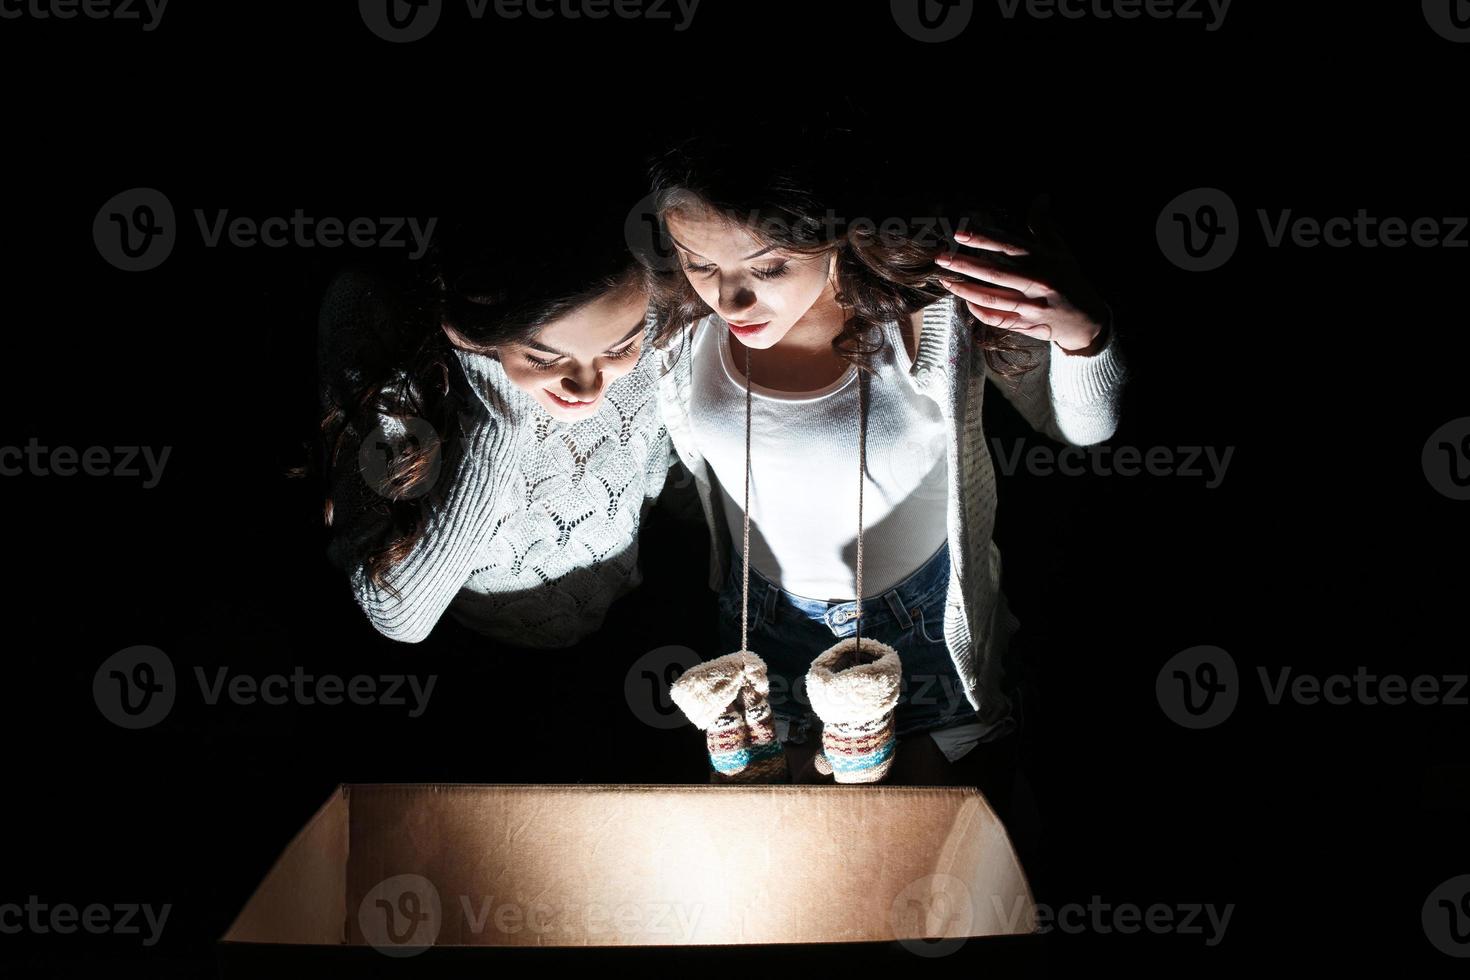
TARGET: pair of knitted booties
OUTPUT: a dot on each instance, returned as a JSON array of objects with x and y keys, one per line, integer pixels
[{"x": 852, "y": 690}]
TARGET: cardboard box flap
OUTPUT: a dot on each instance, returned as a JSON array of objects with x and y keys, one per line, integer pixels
[
  {"x": 596, "y": 865},
  {"x": 304, "y": 897}
]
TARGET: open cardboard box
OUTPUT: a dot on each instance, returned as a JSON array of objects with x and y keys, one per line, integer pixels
[{"x": 398, "y": 868}]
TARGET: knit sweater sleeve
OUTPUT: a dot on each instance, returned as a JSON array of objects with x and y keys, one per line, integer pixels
[
  {"x": 1072, "y": 398},
  {"x": 475, "y": 470},
  {"x": 459, "y": 526}
]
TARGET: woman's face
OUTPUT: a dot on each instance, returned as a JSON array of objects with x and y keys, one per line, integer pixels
[
  {"x": 569, "y": 364},
  {"x": 759, "y": 290}
]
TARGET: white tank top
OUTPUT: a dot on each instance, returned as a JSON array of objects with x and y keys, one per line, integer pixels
[{"x": 804, "y": 469}]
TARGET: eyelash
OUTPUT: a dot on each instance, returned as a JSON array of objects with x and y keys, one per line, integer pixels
[
  {"x": 541, "y": 365},
  {"x": 766, "y": 274}
]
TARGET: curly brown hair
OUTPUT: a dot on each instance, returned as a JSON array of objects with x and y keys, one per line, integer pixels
[{"x": 811, "y": 203}]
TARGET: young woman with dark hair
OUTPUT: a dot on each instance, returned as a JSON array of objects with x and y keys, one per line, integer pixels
[
  {"x": 797, "y": 299},
  {"x": 493, "y": 432}
]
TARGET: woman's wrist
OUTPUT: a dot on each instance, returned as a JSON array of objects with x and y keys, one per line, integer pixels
[{"x": 1099, "y": 339}]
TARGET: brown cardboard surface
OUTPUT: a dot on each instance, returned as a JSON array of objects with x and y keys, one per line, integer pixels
[
  {"x": 303, "y": 898},
  {"x": 635, "y": 865}
]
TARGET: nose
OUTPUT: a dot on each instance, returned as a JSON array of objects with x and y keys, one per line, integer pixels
[
  {"x": 735, "y": 297},
  {"x": 585, "y": 382}
]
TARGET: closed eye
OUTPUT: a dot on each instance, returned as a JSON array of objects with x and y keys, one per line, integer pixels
[
  {"x": 540, "y": 364},
  {"x": 768, "y": 273}
]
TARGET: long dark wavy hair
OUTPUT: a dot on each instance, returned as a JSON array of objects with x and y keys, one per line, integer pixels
[
  {"x": 820, "y": 188},
  {"x": 388, "y": 353}
]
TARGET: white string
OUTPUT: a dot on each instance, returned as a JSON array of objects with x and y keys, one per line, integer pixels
[
  {"x": 745, "y": 546},
  {"x": 745, "y": 533},
  {"x": 862, "y": 470}
]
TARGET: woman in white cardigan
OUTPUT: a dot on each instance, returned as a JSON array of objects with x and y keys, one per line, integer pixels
[{"x": 781, "y": 282}]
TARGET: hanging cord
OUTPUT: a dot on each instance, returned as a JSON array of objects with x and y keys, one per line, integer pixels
[
  {"x": 745, "y": 545},
  {"x": 862, "y": 471},
  {"x": 745, "y": 534}
]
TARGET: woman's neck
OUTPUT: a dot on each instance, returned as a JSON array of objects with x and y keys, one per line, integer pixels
[{"x": 817, "y": 327}]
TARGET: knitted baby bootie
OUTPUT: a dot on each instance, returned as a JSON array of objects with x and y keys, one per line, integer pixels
[
  {"x": 726, "y": 698},
  {"x": 854, "y": 691},
  {"x": 767, "y": 756}
]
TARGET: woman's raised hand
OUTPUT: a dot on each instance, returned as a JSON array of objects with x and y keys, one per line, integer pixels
[{"x": 1030, "y": 285}]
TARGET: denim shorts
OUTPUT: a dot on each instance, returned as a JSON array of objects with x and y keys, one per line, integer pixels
[{"x": 789, "y": 631}]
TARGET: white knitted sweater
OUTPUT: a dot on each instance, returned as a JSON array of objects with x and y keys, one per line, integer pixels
[{"x": 533, "y": 532}]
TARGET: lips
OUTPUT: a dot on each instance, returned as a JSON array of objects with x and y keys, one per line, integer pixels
[
  {"x": 567, "y": 402},
  {"x": 746, "y": 329}
]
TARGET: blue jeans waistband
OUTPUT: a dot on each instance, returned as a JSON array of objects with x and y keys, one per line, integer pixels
[{"x": 893, "y": 605}]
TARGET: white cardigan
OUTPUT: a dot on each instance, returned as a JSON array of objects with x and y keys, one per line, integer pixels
[{"x": 1072, "y": 398}]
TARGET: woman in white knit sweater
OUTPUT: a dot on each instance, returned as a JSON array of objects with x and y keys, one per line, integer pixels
[
  {"x": 494, "y": 431},
  {"x": 783, "y": 280}
]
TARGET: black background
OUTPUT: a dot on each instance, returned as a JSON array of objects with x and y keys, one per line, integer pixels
[{"x": 1325, "y": 369}]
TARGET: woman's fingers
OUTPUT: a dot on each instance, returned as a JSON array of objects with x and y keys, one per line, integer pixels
[
  {"x": 991, "y": 241},
  {"x": 1009, "y": 321},
  {"x": 1008, "y": 300},
  {"x": 980, "y": 267}
]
